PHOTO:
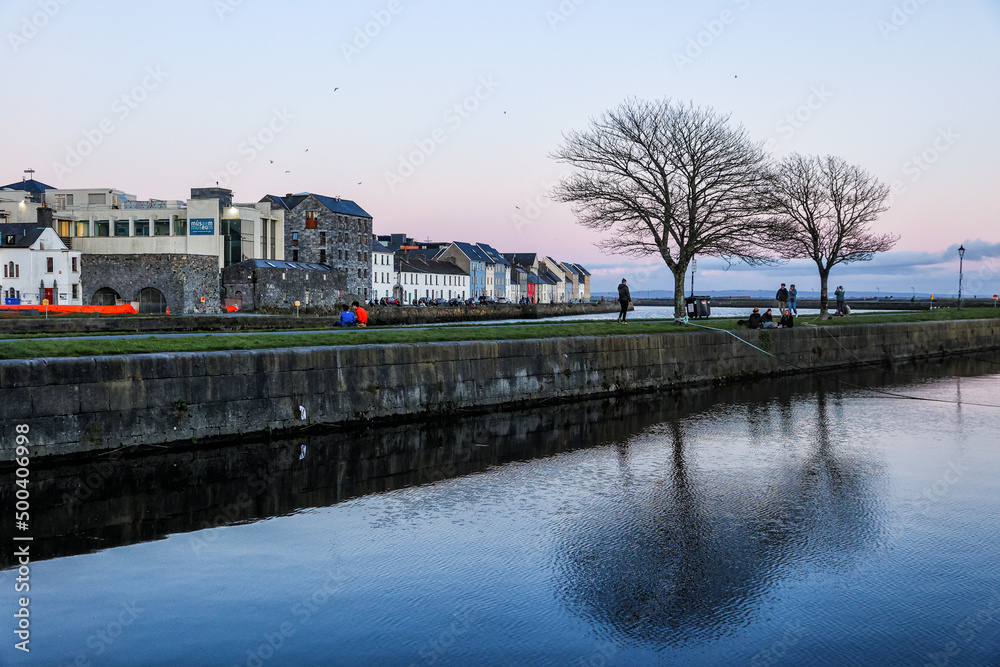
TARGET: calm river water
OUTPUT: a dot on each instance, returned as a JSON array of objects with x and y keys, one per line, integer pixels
[{"x": 821, "y": 520}]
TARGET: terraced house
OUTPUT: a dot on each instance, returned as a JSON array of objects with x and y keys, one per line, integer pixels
[{"x": 329, "y": 230}]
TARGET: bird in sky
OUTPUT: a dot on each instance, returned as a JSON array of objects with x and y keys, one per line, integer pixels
[
  {"x": 307, "y": 150},
  {"x": 359, "y": 182},
  {"x": 518, "y": 208},
  {"x": 271, "y": 161},
  {"x": 336, "y": 89},
  {"x": 288, "y": 172}
]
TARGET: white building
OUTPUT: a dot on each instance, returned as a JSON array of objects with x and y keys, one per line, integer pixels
[
  {"x": 383, "y": 272},
  {"x": 422, "y": 277},
  {"x": 37, "y": 266}
]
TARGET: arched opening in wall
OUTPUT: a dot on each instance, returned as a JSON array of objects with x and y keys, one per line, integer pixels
[
  {"x": 152, "y": 302},
  {"x": 239, "y": 300},
  {"x": 105, "y": 297}
]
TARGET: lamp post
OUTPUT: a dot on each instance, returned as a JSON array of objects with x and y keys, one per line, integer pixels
[
  {"x": 961, "y": 254},
  {"x": 694, "y": 268}
]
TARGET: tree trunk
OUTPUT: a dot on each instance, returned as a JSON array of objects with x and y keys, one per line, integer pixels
[
  {"x": 824, "y": 301},
  {"x": 680, "y": 309}
]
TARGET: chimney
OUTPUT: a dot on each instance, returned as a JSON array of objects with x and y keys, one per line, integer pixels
[{"x": 44, "y": 216}]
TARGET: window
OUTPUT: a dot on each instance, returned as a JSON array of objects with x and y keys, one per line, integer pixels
[
  {"x": 121, "y": 227},
  {"x": 103, "y": 228},
  {"x": 295, "y": 255},
  {"x": 311, "y": 221},
  {"x": 63, "y": 201},
  {"x": 359, "y": 273},
  {"x": 97, "y": 199},
  {"x": 76, "y": 266},
  {"x": 322, "y": 255},
  {"x": 83, "y": 228},
  {"x": 48, "y": 265},
  {"x": 17, "y": 274},
  {"x": 161, "y": 228},
  {"x": 142, "y": 227},
  {"x": 76, "y": 291},
  {"x": 322, "y": 238},
  {"x": 359, "y": 256},
  {"x": 180, "y": 227},
  {"x": 295, "y": 238}
]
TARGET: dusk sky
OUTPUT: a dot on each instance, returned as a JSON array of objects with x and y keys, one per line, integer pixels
[{"x": 438, "y": 118}]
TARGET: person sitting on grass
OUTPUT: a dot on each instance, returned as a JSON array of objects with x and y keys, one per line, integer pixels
[
  {"x": 753, "y": 322},
  {"x": 767, "y": 316},
  {"x": 347, "y": 318},
  {"x": 360, "y": 314},
  {"x": 787, "y": 321}
]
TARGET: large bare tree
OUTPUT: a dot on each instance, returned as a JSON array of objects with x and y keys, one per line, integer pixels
[
  {"x": 668, "y": 179},
  {"x": 824, "y": 208}
]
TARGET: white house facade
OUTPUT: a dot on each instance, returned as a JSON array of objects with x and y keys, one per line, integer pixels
[{"x": 37, "y": 267}]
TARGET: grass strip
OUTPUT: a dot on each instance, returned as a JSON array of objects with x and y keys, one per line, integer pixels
[{"x": 35, "y": 349}]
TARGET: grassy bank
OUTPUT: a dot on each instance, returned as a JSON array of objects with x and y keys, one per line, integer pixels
[{"x": 33, "y": 349}]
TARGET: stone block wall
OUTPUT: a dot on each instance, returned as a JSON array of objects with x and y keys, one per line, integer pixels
[
  {"x": 183, "y": 279},
  {"x": 275, "y": 290},
  {"x": 92, "y": 404}
]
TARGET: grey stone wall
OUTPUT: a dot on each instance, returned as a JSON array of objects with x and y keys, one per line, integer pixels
[
  {"x": 275, "y": 290},
  {"x": 347, "y": 247},
  {"x": 76, "y": 405},
  {"x": 183, "y": 279}
]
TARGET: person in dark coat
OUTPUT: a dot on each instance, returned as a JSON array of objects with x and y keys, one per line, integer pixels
[
  {"x": 753, "y": 322},
  {"x": 782, "y": 298},
  {"x": 787, "y": 321},
  {"x": 767, "y": 316},
  {"x": 624, "y": 299}
]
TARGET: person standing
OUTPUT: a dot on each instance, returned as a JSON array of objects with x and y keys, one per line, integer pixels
[
  {"x": 841, "y": 301},
  {"x": 792, "y": 300},
  {"x": 782, "y": 298},
  {"x": 624, "y": 299}
]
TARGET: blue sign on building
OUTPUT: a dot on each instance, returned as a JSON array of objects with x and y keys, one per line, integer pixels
[
  {"x": 11, "y": 302},
  {"x": 201, "y": 227}
]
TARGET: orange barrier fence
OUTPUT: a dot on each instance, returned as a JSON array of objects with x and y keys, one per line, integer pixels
[{"x": 124, "y": 309}]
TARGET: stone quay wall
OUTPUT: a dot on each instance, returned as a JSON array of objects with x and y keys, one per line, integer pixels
[
  {"x": 183, "y": 279},
  {"x": 79, "y": 405}
]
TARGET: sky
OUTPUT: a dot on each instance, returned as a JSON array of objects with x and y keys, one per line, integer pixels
[{"x": 439, "y": 118}]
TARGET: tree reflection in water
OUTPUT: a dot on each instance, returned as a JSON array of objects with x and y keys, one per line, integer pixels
[{"x": 686, "y": 554}]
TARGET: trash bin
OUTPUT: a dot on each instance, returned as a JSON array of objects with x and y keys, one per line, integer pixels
[{"x": 698, "y": 306}]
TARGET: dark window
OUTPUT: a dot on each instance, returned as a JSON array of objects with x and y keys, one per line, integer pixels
[
  {"x": 121, "y": 227},
  {"x": 142, "y": 227},
  {"x": 295, "y": 255},
  {"x": 48, "y": 265},
  {"x": 76, "y": 267},
  {"x": 76, "y": 291},
  {"x": 161, "y": 228},
  {"x": 322, "y": 238},
  {"x": 322, "y": 255}
]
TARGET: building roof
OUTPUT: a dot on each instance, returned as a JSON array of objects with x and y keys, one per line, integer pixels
[
  {"x": 577, "y": 268},
  {"x": 549, "y": 277},
  {"x": 281, "y": 264},
  {"x": 473, "y": 252},
  {"x": 521, "y": 258},
  {"x": 418, "y": 262},
  {"x": 335, "y": 204},
  {"x": 495, "y": 256},
  {"x": 28, "y": 185},
  {"x": 24, "y": 234}
]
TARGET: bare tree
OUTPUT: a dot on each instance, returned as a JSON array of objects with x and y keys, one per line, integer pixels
[
  {"x": 667, "y": 179},
  {"x": 823, "y": 208}
]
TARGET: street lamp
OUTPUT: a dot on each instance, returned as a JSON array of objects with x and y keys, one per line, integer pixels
[{"x": 961, "y": 254}]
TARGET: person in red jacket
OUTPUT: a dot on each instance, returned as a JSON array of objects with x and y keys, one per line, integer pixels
[{"x": 360, "y": 313}]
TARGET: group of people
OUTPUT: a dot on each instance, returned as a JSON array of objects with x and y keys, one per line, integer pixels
[
  {"x": 352, "y": 316},
  {"x": 765, "y": 320},
  {"x": 787, "y": 298}
]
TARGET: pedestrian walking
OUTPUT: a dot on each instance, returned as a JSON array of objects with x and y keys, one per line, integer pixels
[
  {"x": 793, "y": 300},
  {"x": 782, "y": 298},
  {"x": 624, "y": 299}
]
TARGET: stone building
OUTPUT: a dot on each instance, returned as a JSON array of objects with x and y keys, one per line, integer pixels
[
  {"x": 328, "y": 230},
  {"x": 153, "y": 282},
  {"x": 271, "y": 286}
]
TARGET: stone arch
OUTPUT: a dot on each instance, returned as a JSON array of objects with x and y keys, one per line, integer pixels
[
  {"x": 105, "y": 297},
  {"x": 151, "y": 301}
]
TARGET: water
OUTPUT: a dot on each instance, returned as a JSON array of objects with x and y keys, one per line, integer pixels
[{"x": 799, "y": 521}]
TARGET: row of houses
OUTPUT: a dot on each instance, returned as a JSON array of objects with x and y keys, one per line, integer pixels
[
  {"x": 409, "y": 271},
  {"x": 105, "y": 246}
]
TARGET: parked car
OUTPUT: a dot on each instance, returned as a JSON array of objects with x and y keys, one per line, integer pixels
[{"x": 486, "y": 300}]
